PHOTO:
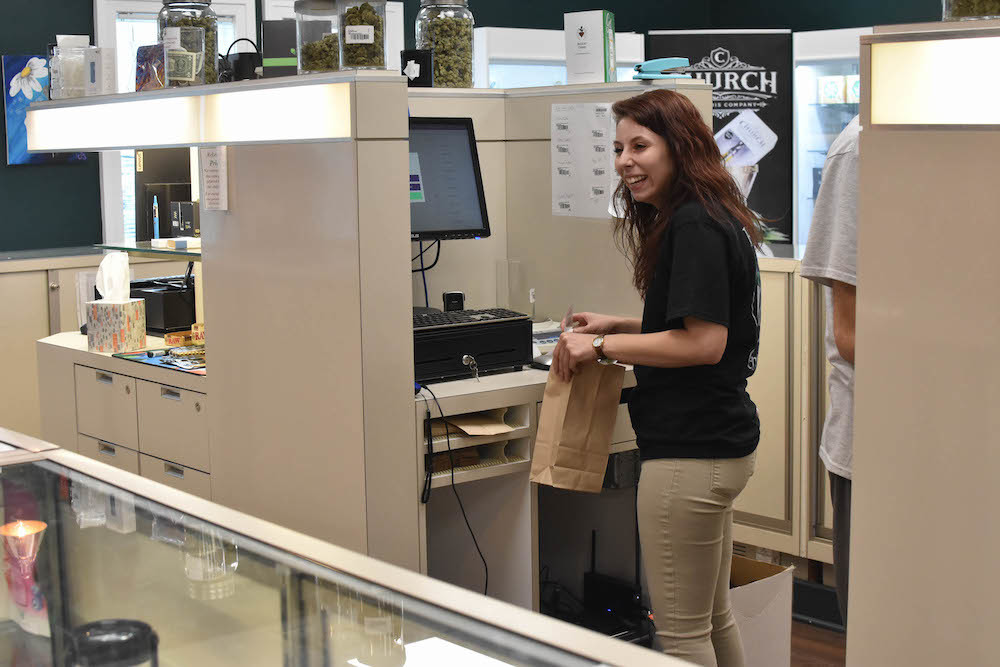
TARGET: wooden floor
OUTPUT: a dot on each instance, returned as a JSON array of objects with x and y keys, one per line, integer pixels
[{"x": 816, "y": 647}]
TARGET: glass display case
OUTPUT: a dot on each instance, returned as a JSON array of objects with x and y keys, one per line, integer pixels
[
  {"x": 827, "y": 97},
  {"x": 100, "y": 574}
]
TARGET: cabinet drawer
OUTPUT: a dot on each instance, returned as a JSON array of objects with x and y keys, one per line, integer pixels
[
  {"x": 106, "y": 452},
  {"x": 105, "y": 406},
  {"x": 173, "y": 424},
  {"x": 177, "y": 476},
  {"x": 623, "y": 427}
]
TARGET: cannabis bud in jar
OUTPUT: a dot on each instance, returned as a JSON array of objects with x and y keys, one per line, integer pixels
[
  {"x": 959, "y": 9},
  {"x": 445, "y": 27},
  {"x": 320, "y": 56},
  {"x": 363, "y": 34}
]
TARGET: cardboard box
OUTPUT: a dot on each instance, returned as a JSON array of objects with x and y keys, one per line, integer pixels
[
  {"x": 831, "y": 89},
  {"x": 590, "y": 46},
  {"x": 761, "y": 595},
  {"x": 116, "y": 326}
]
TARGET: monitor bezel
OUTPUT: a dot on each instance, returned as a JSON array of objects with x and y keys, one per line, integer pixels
[{"x": 439, "y": 235}]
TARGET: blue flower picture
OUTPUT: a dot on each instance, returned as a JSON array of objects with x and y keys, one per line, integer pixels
[{"x": 25, "y": 80}]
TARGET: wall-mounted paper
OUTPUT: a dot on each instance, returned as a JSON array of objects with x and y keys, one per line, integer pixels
[
  {"x": 583, "y": 172},
  {"x": 214, "y": 179}
]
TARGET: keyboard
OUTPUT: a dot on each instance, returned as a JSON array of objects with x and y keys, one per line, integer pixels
[{"x": 463, "y": 318}]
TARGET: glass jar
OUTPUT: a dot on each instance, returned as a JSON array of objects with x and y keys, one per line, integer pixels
[
  {"x": 955, "y": 10},
  {"x": 362, "y": 34},
  {"x": 194, "y": 14},
  {"x": 317, "y": 36},
  {"x": 445, "y": 28}
]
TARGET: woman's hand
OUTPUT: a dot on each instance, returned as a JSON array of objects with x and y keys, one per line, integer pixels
[
  {"x": 593, "y": 323},
  {"x": 572, "y": 351}
]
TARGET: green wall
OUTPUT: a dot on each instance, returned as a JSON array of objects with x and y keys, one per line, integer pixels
[
  {"x": 824, "y": 15},
  {"x": 46, "y": 206},
  {"x": 645, "y": 15}
]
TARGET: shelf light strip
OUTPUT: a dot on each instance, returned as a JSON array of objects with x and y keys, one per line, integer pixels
[
  {"x": 935, "y": 82},
  {"x": 314, "y": 112}
]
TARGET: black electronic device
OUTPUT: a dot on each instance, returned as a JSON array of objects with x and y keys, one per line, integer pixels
[
  {"x": 169, "y": 303},
  {"x": 166, "y": 174},
  {"x": 498, "y": 340},
  {"x": 278, "y": 47},
  {"x": 446, "y": 184},
  {"x": 453, "y": 301}
]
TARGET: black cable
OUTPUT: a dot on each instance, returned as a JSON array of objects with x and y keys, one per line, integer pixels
[
  {"x": 423, "y": 275},
  {"x": 427, "y": 249},
  {"x": 461, "y": 506},
  {"x": 437, "y": 256}
]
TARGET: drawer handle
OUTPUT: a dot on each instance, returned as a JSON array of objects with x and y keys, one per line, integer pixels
[
  {"x": 173, "y": 471},
  {"x": 172, "y": 394},
  {"x": 104, "y": 378},
  {"x": 106, "y": 449}
]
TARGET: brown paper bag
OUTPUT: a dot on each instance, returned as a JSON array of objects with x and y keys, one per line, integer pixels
[{"x": 574, "y": 428}]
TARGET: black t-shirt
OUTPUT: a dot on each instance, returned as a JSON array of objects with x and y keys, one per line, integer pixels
[{"x": 706, "y": 270}]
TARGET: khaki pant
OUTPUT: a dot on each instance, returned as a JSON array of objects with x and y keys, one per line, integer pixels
[{"x": 685, "y": 510}]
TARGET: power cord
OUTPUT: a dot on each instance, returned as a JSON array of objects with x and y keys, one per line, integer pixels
[
  {"x": 424, "y": 269},
  {"x": 451, "y": 460}
]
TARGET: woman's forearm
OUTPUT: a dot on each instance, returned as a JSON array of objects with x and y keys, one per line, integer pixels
[
  {"x": 676, "y": 348},
  {"x": 628, "y": 325}
]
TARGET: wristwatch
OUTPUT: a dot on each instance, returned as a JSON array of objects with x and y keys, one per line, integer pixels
[{"x": 599, "y": 348}]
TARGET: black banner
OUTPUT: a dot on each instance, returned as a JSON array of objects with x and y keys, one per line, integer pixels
[{"x": 749, "y": 71}]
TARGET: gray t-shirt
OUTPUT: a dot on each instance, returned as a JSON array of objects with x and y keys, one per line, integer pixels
[{"x": 832, "y": 254}]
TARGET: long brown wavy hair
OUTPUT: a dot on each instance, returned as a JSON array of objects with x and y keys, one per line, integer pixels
[{"x": 698, "y": 176}]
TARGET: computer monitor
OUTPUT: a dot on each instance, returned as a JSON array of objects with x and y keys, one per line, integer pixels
[{"x": 446, "y": 186}]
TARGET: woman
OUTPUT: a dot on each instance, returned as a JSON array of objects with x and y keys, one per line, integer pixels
[{"x": 690, "y": 240}]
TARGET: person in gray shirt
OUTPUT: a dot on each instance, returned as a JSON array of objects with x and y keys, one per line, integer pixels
[{"x": 831, "y": 260}]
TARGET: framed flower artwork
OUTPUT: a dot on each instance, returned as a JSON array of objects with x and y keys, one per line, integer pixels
[{"x": 25, "y": 80}]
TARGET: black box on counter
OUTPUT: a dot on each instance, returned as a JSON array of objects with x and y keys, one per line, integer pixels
[
  {"x": 279, "y": 48},
  {"x": 184, "y": 219}
]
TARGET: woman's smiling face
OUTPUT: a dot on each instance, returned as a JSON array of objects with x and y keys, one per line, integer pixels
[{"x": 642, "y": 159}]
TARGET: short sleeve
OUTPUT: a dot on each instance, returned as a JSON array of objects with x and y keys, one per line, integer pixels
[
  {"x": 699, "y": 273},
  {"x": 832, "y": 250}
]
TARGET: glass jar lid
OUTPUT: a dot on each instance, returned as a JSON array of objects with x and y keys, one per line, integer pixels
[
  {"x": 428, "y": 3},
  {"x": 310, "y": 6}
]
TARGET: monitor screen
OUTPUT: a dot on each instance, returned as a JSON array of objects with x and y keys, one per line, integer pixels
[{"x": 446, "y": 186}]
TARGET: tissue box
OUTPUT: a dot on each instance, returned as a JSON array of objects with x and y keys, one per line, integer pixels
[
  {"x": 116, "y": 326},
  {"x": 590, "y": 46}
]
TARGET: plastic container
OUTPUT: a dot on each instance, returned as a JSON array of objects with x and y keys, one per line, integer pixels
[
  {"x": 960, "y": 10},
  {"x": 114, "y": 643},
  {"x": 67, "y": 72},
  {"x": 317, "y": 36},
  {"x": 362, "y": 35},
  {"x": 194, "y": 14},
  {"x": 445, "y": 28}
]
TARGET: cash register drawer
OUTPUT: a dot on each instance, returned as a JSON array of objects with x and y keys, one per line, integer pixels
[
  {"x": 106, "y": 452},
  {"x": 105, "y": 406},
  {"x": 173, "y": 424},
  {"x": 177, "y": 476}
]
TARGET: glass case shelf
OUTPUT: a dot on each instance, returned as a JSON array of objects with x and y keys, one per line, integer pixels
[{"x": 145, "y": 248}]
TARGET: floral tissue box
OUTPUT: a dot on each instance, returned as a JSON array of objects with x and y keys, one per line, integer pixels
[{"x": 116, "y": 326}]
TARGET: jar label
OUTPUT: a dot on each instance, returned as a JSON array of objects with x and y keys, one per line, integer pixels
[
  {"x": 172, "y": 39},
  {"x": 359, "y": 34}
]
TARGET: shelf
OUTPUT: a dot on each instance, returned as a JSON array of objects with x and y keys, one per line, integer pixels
[
  {"x": 143, "y": 248},
  {"x": 473, "y": 474},
  {"x": 462, "y": 441}
]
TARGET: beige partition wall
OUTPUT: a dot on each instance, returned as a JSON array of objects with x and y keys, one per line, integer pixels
[
  {"x": 926, "y": 446},
  {"x": 307, "y": 294}
]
